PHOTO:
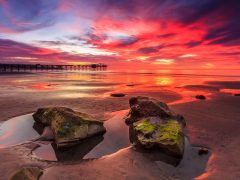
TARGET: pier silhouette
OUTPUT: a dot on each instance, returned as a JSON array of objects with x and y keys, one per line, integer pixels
[{"x": 41, "y": 67}]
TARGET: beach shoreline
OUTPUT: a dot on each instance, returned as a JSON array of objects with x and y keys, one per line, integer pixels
[{"x": 212, "y": 123}]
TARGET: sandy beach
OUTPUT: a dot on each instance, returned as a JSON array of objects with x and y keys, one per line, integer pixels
[{"x": 213, "y": 123}]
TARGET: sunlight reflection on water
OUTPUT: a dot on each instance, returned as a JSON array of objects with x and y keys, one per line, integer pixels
[{"x": 78, "y": 85}]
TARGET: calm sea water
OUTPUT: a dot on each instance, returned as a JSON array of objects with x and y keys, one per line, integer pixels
[{"x": 101, "y": 84}]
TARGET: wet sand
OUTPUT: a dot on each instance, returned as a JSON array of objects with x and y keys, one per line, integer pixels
[{"x": 213, "y": 123}]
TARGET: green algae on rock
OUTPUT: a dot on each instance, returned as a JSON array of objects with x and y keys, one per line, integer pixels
[
  {"x": 166, "y": 135},
  {"x": 68, "y": 126},
  {"x": 145, "y": 127},
  {"x": 27, "y": 173}
]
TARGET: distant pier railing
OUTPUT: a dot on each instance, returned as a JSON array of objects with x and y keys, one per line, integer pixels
[{"x": 40, "y": 67}]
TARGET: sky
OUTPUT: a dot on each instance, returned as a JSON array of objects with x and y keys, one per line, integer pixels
[{"x": 138, "y": 34}]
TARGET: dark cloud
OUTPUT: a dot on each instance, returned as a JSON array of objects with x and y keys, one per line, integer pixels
[
  {"x": 77, "y": 38},
  {"x": 12, "y": 51},
  {"x": 51, "y": 43},
  {"x": 59, "y": 42},
  {"x": 193, "y": 44},
  {"x": 25, "y": 15},
  {"x": 125, "y": 5},
  {"x": 10, "y": 48},
  {"x": 149, "y": 50},
  {"x": 126, "y": 41},
  {"x": 167, "y": 35},
  {"x": 189, "y": 11},
  {"x": 227, "y": 35},
  {"x": 93, "y": 37},
  {"x": 27, "y": 10},
  {"x": 212, "y": 12},
  {"x": 89, "y": 38}
]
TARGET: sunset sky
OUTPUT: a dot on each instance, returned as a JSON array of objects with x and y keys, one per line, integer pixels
[{"x": 167, "y": 34}]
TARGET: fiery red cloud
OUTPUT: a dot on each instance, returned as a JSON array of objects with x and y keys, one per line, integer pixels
[{"x": 132, "y": 33}]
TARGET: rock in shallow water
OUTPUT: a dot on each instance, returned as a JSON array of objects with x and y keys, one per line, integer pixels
[
  {"x": 27, "y": 173},
  {"x": 143, "y": 107},
  {"x": 203, "y": 151},
  {"x": 154, "y": 125},
  {"x": 69, "y": 127}
]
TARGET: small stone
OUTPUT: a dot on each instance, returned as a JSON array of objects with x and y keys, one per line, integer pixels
[
  {"x": 203, "y": 151},
  {"x": 118, "y": 95},
  {"x": 201, "y": 97},
  {"x": 27, "y": 173},
  {"x": 130, "y": 85},
  {"x": 236, "y": 94}
]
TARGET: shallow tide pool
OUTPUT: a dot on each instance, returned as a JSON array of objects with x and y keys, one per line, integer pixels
[{"x": 20, "y": 130}]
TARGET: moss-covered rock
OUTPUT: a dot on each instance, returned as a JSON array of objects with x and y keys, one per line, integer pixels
[
  {"x": 152, "y": 124},
  {"x": 167, "y": 135},
  {"x": 27, "y": 173},
  {"x": 143, "y": 107},
  {"x": 68, "y": 126}
]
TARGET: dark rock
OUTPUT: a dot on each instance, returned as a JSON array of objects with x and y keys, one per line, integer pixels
[
  {"x": 39, "y": 127},
  {"x": 142, "y": 107},
  {"x": 27, "y": 173},
  {"x": 118, "y": 95},
  {"x": 203, "y": 151},
  {"x": 130, "y": 85},
  {"x": 52, "y": 84},
  {"x": 69, "y": 127},
  {"x": 180, "y": 119},
  {"x": 154, "y": 125},
  {"x": 236, "y": 94},
  {"x": 201, "y": 97}
]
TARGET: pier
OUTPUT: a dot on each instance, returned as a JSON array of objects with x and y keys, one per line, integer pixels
[{"x": 40, "y": 67}]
